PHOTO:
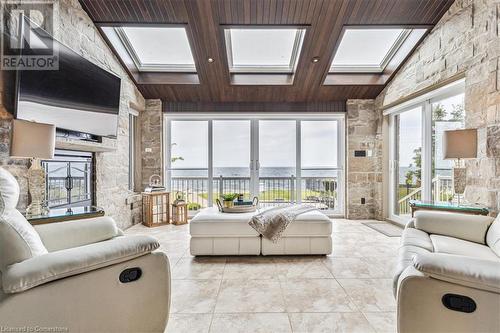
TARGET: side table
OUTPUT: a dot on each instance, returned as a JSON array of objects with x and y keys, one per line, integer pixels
[
  {"x": 463, "y": 208},
  {"x": 66, "y": 214}
]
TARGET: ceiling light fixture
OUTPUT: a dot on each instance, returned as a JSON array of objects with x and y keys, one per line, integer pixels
[
  {"x": 315, "y": 59},
  {"x": 210, "y": 60}
]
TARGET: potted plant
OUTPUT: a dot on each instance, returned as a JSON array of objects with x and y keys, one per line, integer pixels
[{"x": 228, "y": 199}]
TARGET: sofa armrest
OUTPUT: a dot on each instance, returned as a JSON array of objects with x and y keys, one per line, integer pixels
[
  {"x": 60, "y": 264},
  {"x": 466, "y": 271},
  {"x": 65, "y": 235},
  {"x": 464, "y": 226}
]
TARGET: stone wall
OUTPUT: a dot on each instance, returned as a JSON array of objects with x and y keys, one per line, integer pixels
[
  {"x": 75, "y": 29},
  {"x": 364, "y": 174},
  {"x": 152, "y": 132},
  {"x": 465, "y": 41}
]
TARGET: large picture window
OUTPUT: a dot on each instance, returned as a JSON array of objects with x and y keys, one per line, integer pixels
[
  {"x": 278, "y": 159},
  {"x": 418, "y": 169}
]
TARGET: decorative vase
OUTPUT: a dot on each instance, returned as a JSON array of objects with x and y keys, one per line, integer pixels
[
  {"x": 228, "y": 203},
  {"x": 36, "y": 189}
]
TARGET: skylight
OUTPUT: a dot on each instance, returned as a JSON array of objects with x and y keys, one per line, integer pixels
[
  {"x": 367, "y": 50},
  {"x": 158, "y": 49},
  {"x": 263, "y": 50}
]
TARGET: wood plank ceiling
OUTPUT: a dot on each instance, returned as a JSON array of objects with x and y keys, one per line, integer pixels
[{"x": 325, "y": 19}]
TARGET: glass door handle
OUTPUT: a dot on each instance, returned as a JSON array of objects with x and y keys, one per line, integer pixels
[{"x": 257, "y": 167}]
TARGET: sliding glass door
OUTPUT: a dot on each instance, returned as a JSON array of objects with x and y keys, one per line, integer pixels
[
  {"x": 279, "y": 160},
  {"x": 407, "y": 160},
  {"x": 320, "y": 173},
  {"x": 417, "y": 168},
  {"x": 231, "y": 158},
  {"x": 276, "y": 165},
  {"x": 187, "y": 161}
]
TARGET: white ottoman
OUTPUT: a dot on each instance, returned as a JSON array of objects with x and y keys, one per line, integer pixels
[
  {"x": 215, "y": 233},
  {"x": 310, "y": 233}
]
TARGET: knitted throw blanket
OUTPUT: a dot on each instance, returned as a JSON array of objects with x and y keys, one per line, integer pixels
[{"x": 273, "y": 222}]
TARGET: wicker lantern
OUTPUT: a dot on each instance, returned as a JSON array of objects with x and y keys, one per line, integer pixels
[
  {"x": 156, "y": 208},
  {"x": 179, "y": 212}
]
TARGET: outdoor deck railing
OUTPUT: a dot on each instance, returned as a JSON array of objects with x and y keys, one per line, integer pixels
[
  {"x": 57, "y": 194},
  {"x": 319, "y": 191},
  {"x": 442, "y": 190}
]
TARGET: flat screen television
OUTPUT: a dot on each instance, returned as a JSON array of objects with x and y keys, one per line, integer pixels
[{"x": 79, "y": 96}]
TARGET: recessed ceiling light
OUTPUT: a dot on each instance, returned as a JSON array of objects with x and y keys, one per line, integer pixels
[
  {"x": 315, "y": 59},
  {"x": 210, "y": 60}
]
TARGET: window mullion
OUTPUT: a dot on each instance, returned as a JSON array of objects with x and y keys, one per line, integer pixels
[
  {"x": 427, "y": 151},
  {"x": 168, "y": 154},
  {"x": 298, "y": 162},
  {"x": 210, "y": 184}
]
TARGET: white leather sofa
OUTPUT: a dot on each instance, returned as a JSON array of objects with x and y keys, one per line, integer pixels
[
  {"x": 448, "y": 274},
  {"x": 215, "y": 233},
  {"x": 78, "y": 276}
]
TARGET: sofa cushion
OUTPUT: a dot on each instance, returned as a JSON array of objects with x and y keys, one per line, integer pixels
[
  {"x": 466, "y": 271},
  {"x": 211, "y": 222},
  {"x": 418, "y": 238},
  {"x": 493, "y": 236},
  {"x": 60, "y": 264},
  {"x": 64, "y": 235},
  {"x": 468, "y": 227},
  {"x": 405, "y": 259},
  {"x": 9, "y": 191},
  {"x": 18, "y": 239},
  {"x": 450, "y": 245},
  {"x": 313, "y": 223}
]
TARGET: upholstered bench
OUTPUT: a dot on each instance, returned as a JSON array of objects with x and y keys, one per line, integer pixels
[{"x": 215, "y": 233}]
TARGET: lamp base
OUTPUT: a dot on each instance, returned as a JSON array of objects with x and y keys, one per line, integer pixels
[
  {"x": 36, "y": 209},
  {"x": 36, "y": 189},
  {"x": 459, "y": 178}
]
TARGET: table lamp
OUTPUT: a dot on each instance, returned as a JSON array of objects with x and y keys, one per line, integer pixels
[
  {"x": 459, "y": 145},
  {"x": 34, "y": 141}
]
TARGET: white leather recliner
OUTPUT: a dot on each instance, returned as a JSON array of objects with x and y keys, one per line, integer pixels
[
  {"x": 448, "y": 275},
  {"x": 77, "y": 276}
]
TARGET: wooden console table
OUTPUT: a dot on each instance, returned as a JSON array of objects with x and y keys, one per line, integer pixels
[
  {"x": 67, "y": 214},
  {"x": 473, "y": 209}
]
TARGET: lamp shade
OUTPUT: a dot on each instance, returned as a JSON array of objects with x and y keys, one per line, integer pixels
[
  {"x": 32, "y": 140},
  {"x": 460, "y": 144}
]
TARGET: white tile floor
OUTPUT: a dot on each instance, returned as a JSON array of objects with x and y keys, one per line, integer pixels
[{"x": 348, "y": 291}]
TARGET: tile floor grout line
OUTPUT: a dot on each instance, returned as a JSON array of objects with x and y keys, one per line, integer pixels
[{"x": 364, "y": 237}]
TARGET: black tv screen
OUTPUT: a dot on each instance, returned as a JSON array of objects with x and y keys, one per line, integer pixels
[{"x": 78, "y": 96}]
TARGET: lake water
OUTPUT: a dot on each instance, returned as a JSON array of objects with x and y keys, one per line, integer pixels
[{"x": 263, "y": 172}]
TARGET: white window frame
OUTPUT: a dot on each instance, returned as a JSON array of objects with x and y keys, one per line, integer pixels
[
  {"x": 294, "y": 59},
  {"x": 424, "y": 101},
  {"x": 370, "y": 68},
  {"x": 132, "y": 123},
  {"x": 145, "y": 67},
  {"x": 254, "y": 118}
]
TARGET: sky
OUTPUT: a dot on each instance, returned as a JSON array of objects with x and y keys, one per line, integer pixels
[{"x": 231, "y": 143}]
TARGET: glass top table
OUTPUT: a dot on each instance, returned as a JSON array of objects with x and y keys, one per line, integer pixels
[
  {"x": 66, "y": 214},
  {"x": 465, "y": 208}
]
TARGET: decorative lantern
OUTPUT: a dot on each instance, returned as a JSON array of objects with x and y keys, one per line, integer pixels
[
  {"x": 156, "y": 208},
  {"x": 179, "y": 212}
]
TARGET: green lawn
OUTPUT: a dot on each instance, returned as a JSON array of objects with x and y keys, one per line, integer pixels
[{"x": 278, "y": 194}]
